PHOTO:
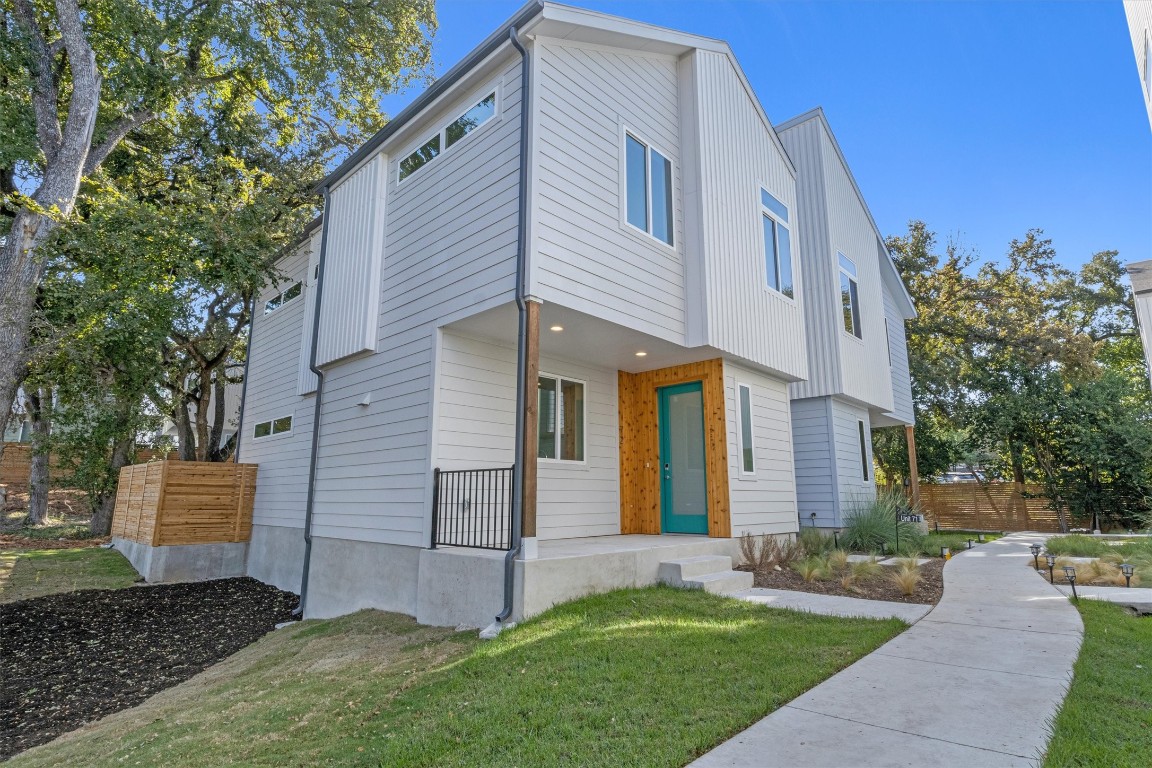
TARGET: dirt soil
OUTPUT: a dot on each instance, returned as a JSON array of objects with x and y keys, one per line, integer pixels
[
  {"x": 66, "y": 527},
  {"x": 69, "y": 659},
  {"x": 928, "y": 592}
]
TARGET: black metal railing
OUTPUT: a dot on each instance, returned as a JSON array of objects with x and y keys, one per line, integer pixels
[{"x": 473, "y": 508}]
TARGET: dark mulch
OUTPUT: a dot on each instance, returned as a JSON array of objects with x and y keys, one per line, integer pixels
[
  {"x": 68, "y": 659},
  {"x": 928, "y": 592}
]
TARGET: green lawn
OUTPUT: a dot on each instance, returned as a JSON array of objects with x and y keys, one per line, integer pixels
[
  {"x": 38, "y": 572},
  {"x": 650, "y": 677},
  {"x": 957, "y": 541},
  {"x": 1106, "y": 721}
]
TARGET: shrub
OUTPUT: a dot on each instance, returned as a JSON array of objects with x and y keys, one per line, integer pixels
[
  {"x": 863, "y": 570},
  {"x": 810, "y": 568},
  {"x": 837, "y": 561},
  {"x": 1077, "y": 545},
  {"x": 765, "y": 551},
  {"x": 907, "y": 579},
  {"x": 815, "y": 542},
  {"x": 873, "y": 522}
]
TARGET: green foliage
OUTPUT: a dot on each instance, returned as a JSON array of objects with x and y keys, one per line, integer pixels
[
  {"x": 956, "y": 541},
  {"x": 815, "y": 541},
  {"x": 38, "y": 572},
  {"x": 870, "y": 523}
]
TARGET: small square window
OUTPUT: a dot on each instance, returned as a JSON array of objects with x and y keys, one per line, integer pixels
[
  {"x": 283, "y": 424},
  {"x": 263, "y": 429}
]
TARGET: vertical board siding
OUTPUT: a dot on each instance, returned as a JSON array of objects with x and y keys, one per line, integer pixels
[
  {"x": 821, "y": 288},
  {"x": 1139, "y": 13},
  {"x": 352, "y": 264},
  {"x": 475, "y": 424},
  {"x": 853, "y": 489},
  {"x": 898, "y": 344},
  {"x": 815, "y": 460},
  {"x": 737, "y": 157},
  {"x": 307, "y": 380},
  {"x": 584, "y": 257},
  {"x": 640, "y": 446},
  {"x": 766, "y": 501},
  {"x": 271, "y": 392},
  {"x": 450, "y": 242}
]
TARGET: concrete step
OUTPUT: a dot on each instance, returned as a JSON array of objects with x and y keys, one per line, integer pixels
[
  {"x": 676, "y": 572},
  {"x": 723, "y": 583}
]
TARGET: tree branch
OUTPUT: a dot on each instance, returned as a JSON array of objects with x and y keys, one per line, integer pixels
[
  {"x": 115, "y": 135},
  {"x": 45, "y": 98}
]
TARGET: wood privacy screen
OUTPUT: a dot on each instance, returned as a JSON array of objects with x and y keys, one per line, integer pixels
[
  {"x": 185, "y": 502},
  {"x": 989, "y": 507},
  {"x": 17, "y": 463}
]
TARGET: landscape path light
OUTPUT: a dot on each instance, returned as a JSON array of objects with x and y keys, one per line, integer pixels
[
  {"x": 971, "y": 543},
  {"x": 1070, "y": 574},
  {"x": 1036, "y": 554},
  {"x": 1128, "y": 569},
  {"x": 980, "y": 537},
  {"x": 945, "y": 553},
  {"x": 1051, "y": 566}
]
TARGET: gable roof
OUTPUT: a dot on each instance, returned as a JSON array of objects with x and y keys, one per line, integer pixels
[{"x": 891, "y": 275}]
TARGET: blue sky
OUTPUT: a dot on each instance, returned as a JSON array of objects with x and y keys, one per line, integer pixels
[{"x": 984, "y": 119}]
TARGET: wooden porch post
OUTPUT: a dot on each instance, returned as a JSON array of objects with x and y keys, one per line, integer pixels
[
  {"x": 531, "y": 418},
  {"x": 913, "y": 471}
]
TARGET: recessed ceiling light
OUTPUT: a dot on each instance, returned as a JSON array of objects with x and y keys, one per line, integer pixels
[
  {"x": 641, "y": 354},
  {"x": 557, "y": 328}
]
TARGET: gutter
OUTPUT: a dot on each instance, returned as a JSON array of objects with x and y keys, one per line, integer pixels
[
  {"x": 522, "y": 334},
  {"x": 310, "y": 503}
]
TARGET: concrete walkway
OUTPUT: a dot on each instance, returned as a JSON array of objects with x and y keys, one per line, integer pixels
[
  {"x": 973, "y": 683},
  {"x": 833, "y": 605}
]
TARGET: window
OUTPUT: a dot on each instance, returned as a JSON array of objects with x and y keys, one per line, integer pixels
[
  {"x": 273, "y": 427},
  {"x": 283, "y": 298},
  {"x": 648, "y": 202},
  {"x": 849, "y": 296},
  {"x": 747, "y": 459},
  {"x": 561, "y": 419},
  {"x": 888, "y": 341},
  {"x": 863, "y": 450},
  {"x": 777, "y": 244},
  {"x": 474, "y": 117}
]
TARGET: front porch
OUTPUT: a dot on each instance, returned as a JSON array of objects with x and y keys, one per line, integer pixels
[{"x": 464, "y": 586}]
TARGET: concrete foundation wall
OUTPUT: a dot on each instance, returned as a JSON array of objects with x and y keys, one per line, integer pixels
[
  {"x": 186, "y": 562},
  {"x": 276, "y": 556},
  {"x": 347, "y": 576}
]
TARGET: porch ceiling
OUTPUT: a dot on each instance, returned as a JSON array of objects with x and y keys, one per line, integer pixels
[{"x": 584, "y": 339}]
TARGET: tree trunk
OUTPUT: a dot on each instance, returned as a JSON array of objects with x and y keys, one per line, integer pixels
[
  {"x": 19, "y": 274},
  {"x": 39, "y": 469},
  {"x": 101, "y": 523},
  {"x": 219, "y": 383},
  {"x": 184, "y": 435}
]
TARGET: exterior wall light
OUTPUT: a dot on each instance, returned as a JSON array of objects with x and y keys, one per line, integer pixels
[
  {"x": 556, "y": 328},
  {"x": 1070, "y": 574},
  {"x": 641, "y": 354},
  {"x": 1127, "y": 569},
  {"x": 1051, "y": 566}
]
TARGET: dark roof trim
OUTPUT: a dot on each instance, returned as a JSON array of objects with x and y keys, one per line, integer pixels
[{"x": 484, "y": 50}]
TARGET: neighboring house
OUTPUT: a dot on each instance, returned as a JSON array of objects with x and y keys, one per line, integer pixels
[
  {"x": 232, "y": 396},
  {"x": 646, "y": 280},
  {"x": 1139, "y": 13},
  {"x": 1140, "y": 275},
  {"x": 855, "y": 306}
]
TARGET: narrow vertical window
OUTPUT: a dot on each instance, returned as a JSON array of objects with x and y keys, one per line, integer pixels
[
  {"x": 777, "y": 244},
  {"x": 888, "y": 341},
  {"x": 849, "y": 296},
  {"x": 747, "y": 457},
  {"x": 648, "y": 190},
  {"x": 661, "y": 198},
  {"x": 863, "y": 450},
  {"x": 546, "y": 419},
  {"x": 560, "y": 430},
  {"x": 637, "y": 159}
]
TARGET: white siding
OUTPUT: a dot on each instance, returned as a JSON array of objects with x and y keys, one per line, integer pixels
[
  {"x": 451, "y": 246},
  {"x": 898, "y": 345},
  {"x": 734, "y": 310},
  {"x": 1139, "y": 13},
  {"x": 475, "y": 429},
  {"x": 306, "y": 381},
  {"x": 585, "y": 256},
  {"x": 852, "y": 487},
  {"x": 355, "y": 252},
  {"x": 766, "y": 501},
  {"x": 815, "y": 460},
  {"x": 282, "y": 481}
]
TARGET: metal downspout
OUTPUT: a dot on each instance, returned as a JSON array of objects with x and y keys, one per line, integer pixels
[
  {"x": 316, "y": 411},
  {"x": 521, "y": 346}
]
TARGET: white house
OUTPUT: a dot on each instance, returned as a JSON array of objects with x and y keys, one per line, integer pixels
[
  {"x": 1139, "y": 14},
  {"x": 582, "y": 253}
]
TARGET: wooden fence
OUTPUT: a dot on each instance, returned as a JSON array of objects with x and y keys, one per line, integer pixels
[
  {"x": 185, "y": 502},
  {"x": 989, "y": 507},
  {"x": 16, "y": 464}
]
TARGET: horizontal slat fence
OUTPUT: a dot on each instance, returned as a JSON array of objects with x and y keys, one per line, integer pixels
[
  {"x": 989, "y": 507},
  {"x": 16, "y": 463},
  {"x": 166, "y": 503}
]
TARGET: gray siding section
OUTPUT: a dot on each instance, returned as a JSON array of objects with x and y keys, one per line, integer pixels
[
  {"x": 585, "y": 256},
  {"x": 450, "y": 245},
  {"x": 815, "y": 460},
  {"x": 738, "y": 157},
  {"x": 898, "y": 347},
  {"x": 853, "y": 489},
  {"x": 282, "y": 480}
]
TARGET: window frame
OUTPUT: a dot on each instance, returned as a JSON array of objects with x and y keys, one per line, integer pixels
[
  {"x": 865, "y": 459},
  {"x": 480, "y": 96},
  {"x": 740, "y": 388},
  {"x": 649, "y": 147},
  {"x": 857, "y": 330},
  {"x": 272, "y": 427},
  {"x": 767, "y": 212},
  {"x": 282, "y": 302},
  {"x": 559, "y": 378}
]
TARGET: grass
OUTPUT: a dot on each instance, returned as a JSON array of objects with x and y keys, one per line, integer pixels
[
  {"x": 956, "y": 541},
  {"x": 650, "y": 677},
  {"x": 38, "y": 572},
  {"x": 1106, "y": 720},
  {"x": 1079, "y": 545}
]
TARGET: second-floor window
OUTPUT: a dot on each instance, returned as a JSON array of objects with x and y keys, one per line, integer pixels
[
  {"x": 777, "y": 244},
  {"x": 849, "y": 296},
  {"x": 475, "y": 116},
  {"x": 648, "y": 179},
  {"x": 281, "y": 299}
]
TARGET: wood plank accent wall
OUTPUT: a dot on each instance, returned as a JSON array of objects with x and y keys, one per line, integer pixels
[
  {"x": 990, "y": 507},
  {"x": 165, "y": 503},
  {"x": 640, "y": 446}
]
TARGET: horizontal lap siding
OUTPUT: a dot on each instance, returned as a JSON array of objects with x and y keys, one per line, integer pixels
[
  {"x": 450, "y": 246},
  {"x": 584, "y": 257},
  {"x": 476, "y": 430},
  {"x": 853, "y": 488},
  {"x": 738, "y": 157},
  {"x": 271, "y": 392},
  {"x": 764, "y": 502},
  {"x": 814, "y": 457},
  {"x": 898, "y": 344}
]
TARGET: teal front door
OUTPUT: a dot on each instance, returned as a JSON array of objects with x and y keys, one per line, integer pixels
[{"x": 683, "y": 475}]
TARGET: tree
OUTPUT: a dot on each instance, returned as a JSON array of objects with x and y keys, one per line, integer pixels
[{"x": 73, "y": 92}]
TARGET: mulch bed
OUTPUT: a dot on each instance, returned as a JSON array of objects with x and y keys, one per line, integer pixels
[
  {"x": 928, "y": 592},
  {"x": 68, "y": 659}
]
